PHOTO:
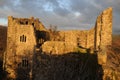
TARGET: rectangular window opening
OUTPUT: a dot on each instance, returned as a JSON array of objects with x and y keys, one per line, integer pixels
[{"x": 25, "y": 62}]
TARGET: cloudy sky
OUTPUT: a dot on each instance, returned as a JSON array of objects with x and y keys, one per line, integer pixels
[{"x": 66, "y": 14}]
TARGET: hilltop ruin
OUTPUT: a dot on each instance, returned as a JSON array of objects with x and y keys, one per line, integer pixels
[{"x": 27, "y": 36}]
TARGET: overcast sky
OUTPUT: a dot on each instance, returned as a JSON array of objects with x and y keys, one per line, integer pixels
[{"x": 66, "y": 14}]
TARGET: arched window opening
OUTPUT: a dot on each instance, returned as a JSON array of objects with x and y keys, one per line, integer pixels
[{"x": 22, "y": 38}]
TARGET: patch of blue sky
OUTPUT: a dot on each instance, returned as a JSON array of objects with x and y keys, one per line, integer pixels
[
  {"x": 16, "y": 2},
  {"x": 3, "y": 21},
  {"x": 65, "y": 4},
  {"x": 48, "y": 7}
]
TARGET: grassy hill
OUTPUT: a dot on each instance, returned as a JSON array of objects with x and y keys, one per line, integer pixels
[
  {"x": 114, "y": 53},
  {"x": 3, "y": 39},
  {"x": 112, "y": 67}
]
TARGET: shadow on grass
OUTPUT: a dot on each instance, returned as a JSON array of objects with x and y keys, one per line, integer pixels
[
  {"x": 3, "y": 74},
  {"x": 70, "y": 66}
]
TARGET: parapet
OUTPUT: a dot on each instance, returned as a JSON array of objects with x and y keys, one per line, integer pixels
[{"x": 25, "y": 21}]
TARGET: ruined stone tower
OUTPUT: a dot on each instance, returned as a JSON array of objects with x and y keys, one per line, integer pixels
[{"x": 21, "y": 41}]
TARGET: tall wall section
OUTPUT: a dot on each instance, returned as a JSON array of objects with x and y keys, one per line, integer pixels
[
  {"x": 91, "y": 39},
  {"x": 103, "y": 34},
  {"x": 106, "y": 30}
]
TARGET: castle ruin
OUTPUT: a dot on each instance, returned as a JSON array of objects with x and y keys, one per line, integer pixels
[{"x": 26, "y": 36}]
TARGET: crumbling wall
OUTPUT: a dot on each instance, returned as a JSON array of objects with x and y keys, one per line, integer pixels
[
  {"x": 57, "y": 47},
  {"x": 90, "y": 39},
  {"x": 97, "y": 39},
  {"x": 103, "y": 30},
  {"x": 70, "y": 40},
  {"x": 104, "y": 38},
  {"x": 75, "y": 36}
]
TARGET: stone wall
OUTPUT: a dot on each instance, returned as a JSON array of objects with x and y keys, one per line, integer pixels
[
  {"x": 57, "y": 47},
  {"x": 70, "y": 41},
  {"x": 75, "y": 36},
  {"x": 103, "y": 30},
  {"x": 91, "y": 38},
  {"x": 97, "y": 39}
]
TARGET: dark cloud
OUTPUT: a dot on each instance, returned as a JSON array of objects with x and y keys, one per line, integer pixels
[
  {"x": 66, "y": 14},
  {"x": 61, "y": 12}
]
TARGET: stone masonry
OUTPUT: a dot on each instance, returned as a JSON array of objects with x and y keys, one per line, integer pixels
[
  {"x": 20, "y": 43},
  {"x": 97, "y": 39},
  {"x": 27, "y": 35}
]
